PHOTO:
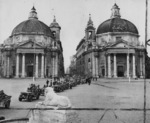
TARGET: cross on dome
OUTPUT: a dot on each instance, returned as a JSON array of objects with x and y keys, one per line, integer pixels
[{"x": 54, "y": 20}]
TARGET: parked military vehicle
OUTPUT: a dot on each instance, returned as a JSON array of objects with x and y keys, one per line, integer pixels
[
  {"x": 29, "y": 96},
  {"x": 33, "y": 93},
  {"x": 4, "y": 100}
]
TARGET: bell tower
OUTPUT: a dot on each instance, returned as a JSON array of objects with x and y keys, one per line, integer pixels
[
  {"x": 90, "y": 30},
  {"x": 55, "y": 28}
]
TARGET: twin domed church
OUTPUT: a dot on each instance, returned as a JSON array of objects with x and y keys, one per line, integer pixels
[
  {"x": 33, "y": 49},
  {"x": 113, "y": 51}
]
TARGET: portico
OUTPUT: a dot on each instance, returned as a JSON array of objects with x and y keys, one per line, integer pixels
[
  {"x": 121, "y": 66},
  {"x": 31, "y": 65}
]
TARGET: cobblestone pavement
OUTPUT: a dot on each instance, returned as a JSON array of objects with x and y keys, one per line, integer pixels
[{"x": 109, "y": 100}]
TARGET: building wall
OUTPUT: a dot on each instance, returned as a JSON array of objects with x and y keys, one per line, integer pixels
[
  {"x": 102, "y": 39},
  {"x": 53, "y": 65},
  {"x": 101, "y": 63},
  {"x": 121, "y": 58},
  {"x": 38, "y": 38}
]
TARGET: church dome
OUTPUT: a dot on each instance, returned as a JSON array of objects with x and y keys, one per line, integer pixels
[
  {"x": 32, "y": 26},
  {"x": 116, "y": 24}
]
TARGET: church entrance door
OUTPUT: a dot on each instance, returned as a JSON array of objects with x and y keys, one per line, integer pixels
[
  {"x": 120, "y": 71},
  {"x": 103, "y": 72},
  {"x": 30, "y": 70}
]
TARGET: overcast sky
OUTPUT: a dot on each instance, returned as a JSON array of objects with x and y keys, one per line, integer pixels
[{"x": 72, "y": 16}]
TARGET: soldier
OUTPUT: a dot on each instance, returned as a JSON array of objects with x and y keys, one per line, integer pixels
[
  {"x": 89, "y": 80},
  {"x": 38, "y": 89},
  {"x": 2, "y": 94},
  {"x": 47, "y": 82},
  {"x": 50, "y": 84}
]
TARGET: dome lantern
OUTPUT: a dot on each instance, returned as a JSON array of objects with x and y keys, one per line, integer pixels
[
  {"x": 33, "y": 14},
  {"x": 115, "y": 11}
]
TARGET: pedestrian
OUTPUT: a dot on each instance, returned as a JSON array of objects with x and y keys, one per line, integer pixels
[
  {"x": 50, "y": 84},
  {"x": 47, "y": 82},
  {"x": 89, "y": 80}
]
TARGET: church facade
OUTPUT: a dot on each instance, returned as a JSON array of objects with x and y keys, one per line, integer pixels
[
  {"x": 113, "y": 51},
  {"x": 33, "y": 50}
]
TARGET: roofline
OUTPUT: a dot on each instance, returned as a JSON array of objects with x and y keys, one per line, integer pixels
[
  {"x": 80, "y": 43},
  {"x": 30, "y": 33},
  {"x": 114, "y": 33},
  {"x": 114, "y": 18}
]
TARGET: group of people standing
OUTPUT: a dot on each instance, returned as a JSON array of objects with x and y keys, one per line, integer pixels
[
  {"x": 54, "y": 81},
  {"x": 48, "y": 83},
  {"x": 88, "y": 80},
  {"x": 51, "y": 82}
]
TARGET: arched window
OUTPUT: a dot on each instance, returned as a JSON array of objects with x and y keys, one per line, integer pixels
[
  {"x": 90, "y": 35},
  {"x": 89, "y": 60},
  {"x": 54, "y": 33},
  {"x": 118, "y": 38}
]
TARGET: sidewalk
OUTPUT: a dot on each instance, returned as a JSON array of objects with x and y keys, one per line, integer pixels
[{"x": 115, "y": 80}]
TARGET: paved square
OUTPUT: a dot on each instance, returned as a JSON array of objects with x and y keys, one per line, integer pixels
[{"x": 101, "y": 94}]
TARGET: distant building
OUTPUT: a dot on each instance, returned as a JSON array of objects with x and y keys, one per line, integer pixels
[
  {"x": 33, "y": 49},
  {"x": 72, "y": 67},
  {"x": 112, "y": 51}
]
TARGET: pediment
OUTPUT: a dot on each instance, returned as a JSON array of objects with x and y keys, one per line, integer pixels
[
  {"x": 121, "y": 44},
  {"x": 30, "y": 44}
]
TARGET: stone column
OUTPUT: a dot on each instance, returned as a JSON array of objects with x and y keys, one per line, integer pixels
[
  {"x": 45, "y": 65},
  {"x": 96, "y": 66},
  {"x": 115, "y": 73},
  {"x": 128, "y": 66},
  {"x": 141, "y": 66},
  {"x": 8, "y": 65},
  {"x": 23, "y": 65},
  {"x": 53, "y": 66},
  {"x": 36, "y": 64},
  {"x": 109, "y": 66},
  {"x": 42, "y": 66},
  {"x": 105, "y": 65},
  {"x": 93, "y": 65},
  {"x": 17, "y": 65},
  {"x": 134, "y": 74},
  {"x": 56, "y": 66}
]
